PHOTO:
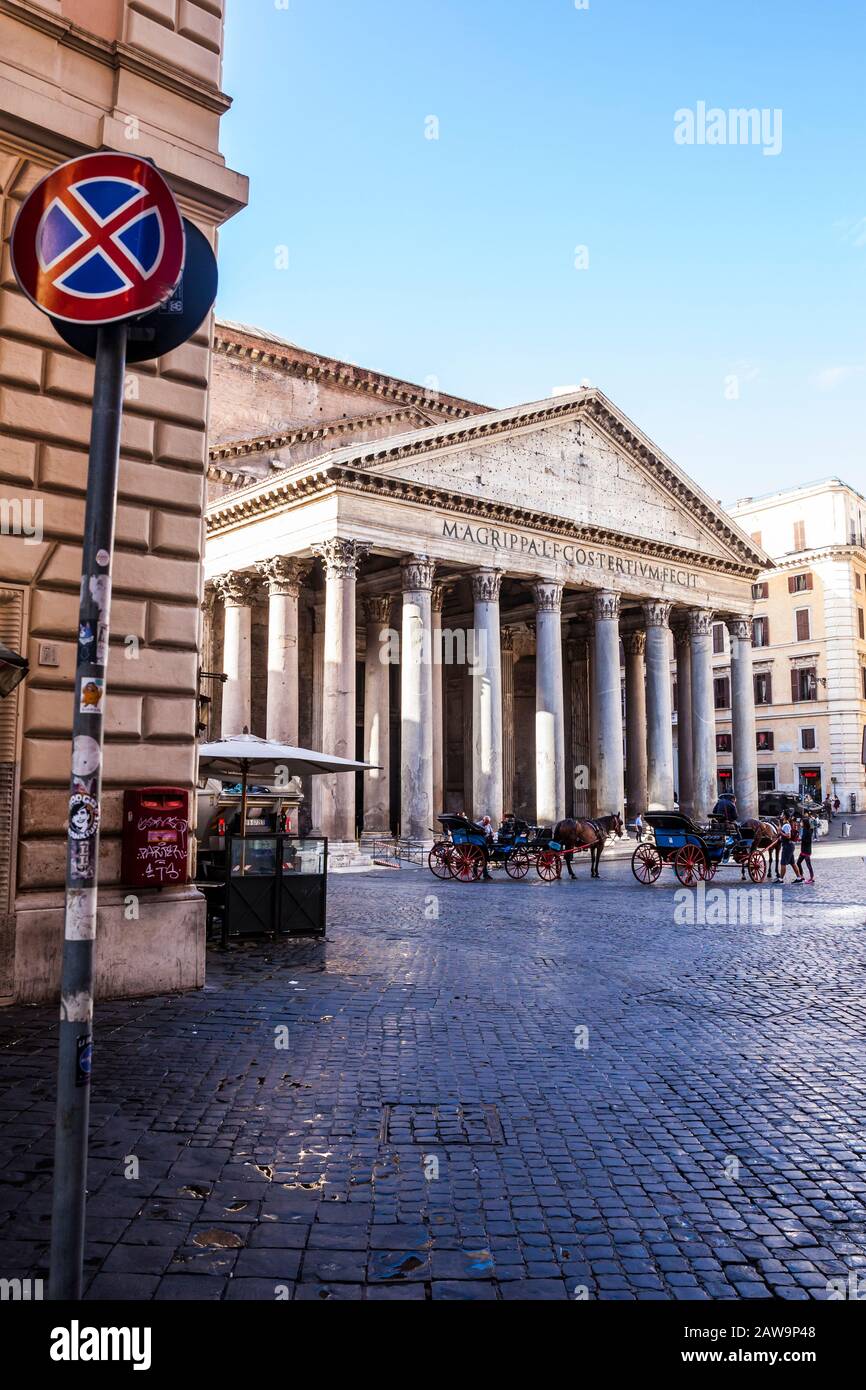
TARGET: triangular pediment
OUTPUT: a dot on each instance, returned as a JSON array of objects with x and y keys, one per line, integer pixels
[
  {"x": 574, "y": 460},
  {"x": 573, "y": 457}
]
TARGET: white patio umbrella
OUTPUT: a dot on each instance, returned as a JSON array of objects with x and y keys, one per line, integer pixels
[{"x": 243, "y": 754}]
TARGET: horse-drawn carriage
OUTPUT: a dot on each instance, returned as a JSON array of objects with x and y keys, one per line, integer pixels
[
  {"x": 466, "y": 851},
  {"x": 696, "y": 852}
]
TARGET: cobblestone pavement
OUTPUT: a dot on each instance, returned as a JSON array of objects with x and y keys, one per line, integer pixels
[{"x": 436, "y": 1126}]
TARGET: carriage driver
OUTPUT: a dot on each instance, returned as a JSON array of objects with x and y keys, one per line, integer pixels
[{"x": 725, "y": 809}]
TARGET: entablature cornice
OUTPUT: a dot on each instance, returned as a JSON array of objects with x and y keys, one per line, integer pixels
[
  {"x": 249, "y": 505},
  {"x": 804, "y": 558},
  {"x": 297, "y": 362},
  {"x": 302, "y": 434}
]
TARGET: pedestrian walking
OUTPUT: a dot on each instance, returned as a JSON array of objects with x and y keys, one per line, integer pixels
[
  {"x": 805, "y": 855},
  {"x": 787, "y": 856},
  {"x": 490, "y": 838}
]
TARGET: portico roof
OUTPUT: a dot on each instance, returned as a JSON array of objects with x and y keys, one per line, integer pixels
[{"x": 375, "y": 466}]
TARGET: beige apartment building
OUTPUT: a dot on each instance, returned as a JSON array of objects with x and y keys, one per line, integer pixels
[
  {"x": 809, "y": 643},
  {"x": 140, "y": 76}
]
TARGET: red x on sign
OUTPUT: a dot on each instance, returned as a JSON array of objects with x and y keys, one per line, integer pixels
[{"x": 99, "y": 239}]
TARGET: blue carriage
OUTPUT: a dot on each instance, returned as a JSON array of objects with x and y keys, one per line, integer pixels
[
  {"x": 695, "y": 852},
  {"x": 466, "y": 852}
]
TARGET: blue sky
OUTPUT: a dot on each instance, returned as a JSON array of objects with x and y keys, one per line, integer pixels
[{"x": 722, "y": 305}]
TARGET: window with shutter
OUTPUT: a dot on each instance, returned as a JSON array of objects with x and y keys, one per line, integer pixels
[
  {"x": 718, "y": 638},
  {"x": 763, "y": 688},
  {"x": 804, "y": 626},
  {"x": 799, "y": 583},
  {"x": 804, "y": 684}
]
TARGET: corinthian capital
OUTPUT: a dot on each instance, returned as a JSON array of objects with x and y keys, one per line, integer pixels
[
  {"x": 741, "y": 628},
  {"x": 700, "y": 621},
  {"x": 377, "y": 609},
  {"x": 656, "y": 612},
  {"x": 235, "y": 590},
  {"x": 283, "y": 575},
  {"x": 548, "y": 597},
  {"x": 486, "y": 584},
  {"x": 341, "y": 557},
  {"x": 418, "y": 571},
  {"x": 634, "y": 643},
  {"x": 605, "y": 604},
  {"x": 682, "y": 635}
]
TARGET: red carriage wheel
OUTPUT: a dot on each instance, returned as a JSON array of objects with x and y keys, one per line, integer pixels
[
  {"x": 517, "y": 863},
  {"x": 646, "y": 863},
  {"x": 466, "y": 862},
  {"x": 690, "y": 864},
  {"x": 549, "y": 865},
  {"x": 757, "y": 866},
  {"x": 438, "y": 859},
  {"x": 707, "y": 868}
]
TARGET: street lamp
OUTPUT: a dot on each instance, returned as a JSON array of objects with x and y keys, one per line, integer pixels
[{"x": 13, "y": 669}]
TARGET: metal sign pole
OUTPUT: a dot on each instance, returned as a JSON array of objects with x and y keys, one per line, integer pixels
[{"x": 82, "y": 858}]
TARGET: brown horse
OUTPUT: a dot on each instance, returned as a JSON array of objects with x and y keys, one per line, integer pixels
[
  {"x": 579, "y": 834},
  {"x": 765, "y": 833}
]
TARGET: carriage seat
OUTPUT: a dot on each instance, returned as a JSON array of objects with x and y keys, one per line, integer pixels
[{"x": 452, "y": 822}]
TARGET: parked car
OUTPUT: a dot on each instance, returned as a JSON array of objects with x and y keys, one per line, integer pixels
[{"x": 788, "y": 803}]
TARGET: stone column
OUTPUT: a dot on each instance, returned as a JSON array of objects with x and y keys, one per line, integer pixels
[
  {"x": 607, "y": 705},
  {"x": 578, "y": 658},
  {"x": 487, "y": 696},
  {"x": 685, "y": 739},
  {"x": 377, "y": 715},
  {"x": 416, "y": 714},
  {"x": 236, "y": 592},
  {"x": 341, "y": 559},
  {"x": 283, "y": 577},
  {"x": 743, "y": 718},
  {"x": 635, "y": 723},
  {"x": 704, "y": 770},
  {"x": 316, "y": 799},
  {"x": 549, "y": 711},
  {"x": 659, "y": 730},
  {"x": 506, "y": 639},
  {"x": 436, "y": 605}
]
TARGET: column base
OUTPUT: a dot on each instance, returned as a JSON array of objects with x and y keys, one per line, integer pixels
[{"x": 348, "y": 857}]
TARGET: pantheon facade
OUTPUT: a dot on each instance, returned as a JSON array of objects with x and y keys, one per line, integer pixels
[{"x": 502, "y": 610}]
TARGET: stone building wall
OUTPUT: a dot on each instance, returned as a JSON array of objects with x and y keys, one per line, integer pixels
[{"x": 142, "y": 77}]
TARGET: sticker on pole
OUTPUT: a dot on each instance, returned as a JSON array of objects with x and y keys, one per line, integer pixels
[{"x": 98, "y": 240}]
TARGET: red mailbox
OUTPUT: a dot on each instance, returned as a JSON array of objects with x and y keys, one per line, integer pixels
[{"x": 155, "y": 837}]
